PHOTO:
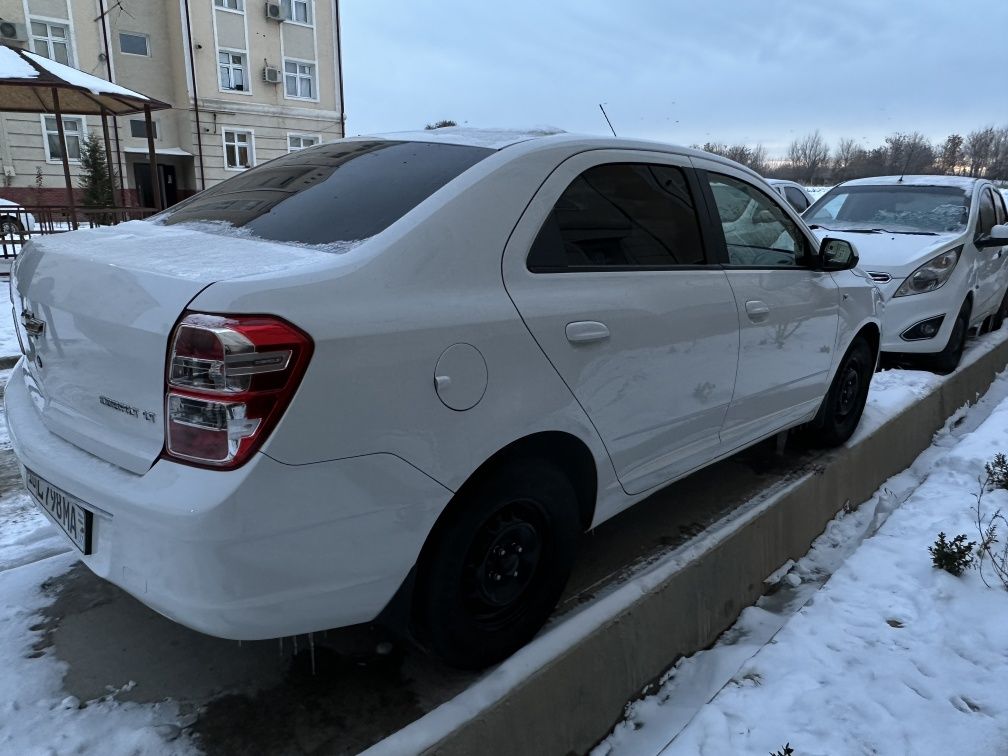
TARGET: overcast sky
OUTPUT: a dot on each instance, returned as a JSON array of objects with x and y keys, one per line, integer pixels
[{"x": 760, "y": 71}]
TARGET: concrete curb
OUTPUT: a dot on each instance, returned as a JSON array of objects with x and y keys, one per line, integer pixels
[{"x": 570, "y": 702}]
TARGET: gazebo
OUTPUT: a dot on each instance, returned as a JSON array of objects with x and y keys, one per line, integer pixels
[{"x": 30, "y": 83}]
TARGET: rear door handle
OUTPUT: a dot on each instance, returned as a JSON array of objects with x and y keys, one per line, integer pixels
[
  {"x": 582, "y": 331},
  {"x": 757, "y": 311}
]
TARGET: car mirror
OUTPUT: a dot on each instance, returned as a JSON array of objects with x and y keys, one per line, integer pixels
[
  {"x": 998, "y": 237},
  {"x": 837, "y": 254}
]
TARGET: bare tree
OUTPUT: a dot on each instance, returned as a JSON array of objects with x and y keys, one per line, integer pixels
[
  {"x": 909, "y": 153},
  {"x": 808, "y": 156},
  {"x": 846, "y": 154},
  {"x": 950, "y": 155},
  {"x": 753, "y": 157},
  {"x": 979, "y": 150}
]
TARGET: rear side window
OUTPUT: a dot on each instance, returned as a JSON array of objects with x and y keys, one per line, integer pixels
[
  {"x": 796, "y": 198},
  {"x": 620, "y": 215},
  {"x": 339, "y": 192}
]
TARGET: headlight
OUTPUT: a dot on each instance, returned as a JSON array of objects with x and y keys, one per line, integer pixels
[{"x": 931, "y": 275}]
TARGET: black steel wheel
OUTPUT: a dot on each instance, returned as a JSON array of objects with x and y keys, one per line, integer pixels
[
  {"x": 495, "y": 566},
  {"x": 10, "y": 227},
  {"x": 841, "y": 409},
  {"x": 947, "y": 359}
]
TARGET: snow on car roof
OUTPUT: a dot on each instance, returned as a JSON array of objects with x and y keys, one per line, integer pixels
[
  {"x": 963, "y": 182},
  {"x": 494, "y": 139}
]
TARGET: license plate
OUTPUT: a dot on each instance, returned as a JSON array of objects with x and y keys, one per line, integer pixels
[{"x": 65, "y": 510}]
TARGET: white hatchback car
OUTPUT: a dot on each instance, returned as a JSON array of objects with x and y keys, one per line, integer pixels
[
  {"x": 936, "y": 246},
  {"x": 796, "y": 194},
  {"x": 400, "y": 376}
]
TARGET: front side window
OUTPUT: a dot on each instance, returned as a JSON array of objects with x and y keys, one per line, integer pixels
[
  {"x": 987, "y": 217},
  {"x": 73, "y": 130},
  {"x": 134, "y": 44},
  {"x": 796, "y": 198},
  {"x": 298, "y": 10},
  {"x": 52, "y": 41},
  {"x": 620, "y": 215},
  {"x": 300, "y": 141},
  {"x": 999, "y": 207},
  {"x": 343, "y": 191},
  {"x": 299, "y": 79},
  {"x": 757, "y": 231},
  {"x": 899, "y": 209},
  {"x": 232, "y": 70},
  {"x": 238, "y": 149}
]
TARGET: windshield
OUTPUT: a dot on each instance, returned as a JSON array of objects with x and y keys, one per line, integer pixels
[
  {"x": 900, "y": 209},
  {"x": 340, "y": 192}
]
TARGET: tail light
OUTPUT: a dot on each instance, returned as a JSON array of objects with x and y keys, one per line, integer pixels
[{"x": 230, "y": 379}]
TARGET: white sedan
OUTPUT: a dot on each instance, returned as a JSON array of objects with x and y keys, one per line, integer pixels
[
  {"x": 14, "y": 219},
  {"x": 398, "y": 377},
  {"x": 796, "y": 194},
  {"x": 937, "y": 246}
]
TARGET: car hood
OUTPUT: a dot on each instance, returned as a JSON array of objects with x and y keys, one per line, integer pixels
[{"x": 899, "y": 255}]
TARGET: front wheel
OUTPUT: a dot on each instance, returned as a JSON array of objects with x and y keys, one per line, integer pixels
[
  {"x": 998, "y": 318},
  {"x": 947, "y": 360},
  {"x": 494, "y": 569},
  {"x": 841, "y": 410}
]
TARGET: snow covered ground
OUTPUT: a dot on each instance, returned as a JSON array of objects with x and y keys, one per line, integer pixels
[
  {"x": 8, "y": 339},
  {"x": 866, "y": 648}
]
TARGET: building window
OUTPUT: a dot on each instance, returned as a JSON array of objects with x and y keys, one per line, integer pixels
[
  {"x": 235, "y": 5},
  {"x": 299, "y": 80},
  {"x": 298, "y": 10},
  {"x": 238, "y": 149},
  {"x": 297, "y": 142},
  {"x": 138, "y": 128},
  {"x": 134, "y": 44},
  {"x": 73, "y": 130},
  {"x": 52, "y": 41},
  {"x": 232, "y": 71}
]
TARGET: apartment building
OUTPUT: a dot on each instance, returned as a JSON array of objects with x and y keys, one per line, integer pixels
[{"x": 248, "y": 81}]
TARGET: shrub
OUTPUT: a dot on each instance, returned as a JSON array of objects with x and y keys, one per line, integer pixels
[
  {"x": 787, "y": 750},
  {"x": 953, "y": 556}
]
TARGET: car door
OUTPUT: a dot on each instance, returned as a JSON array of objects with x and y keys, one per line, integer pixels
[
  {"x": 788, "y": 311},
  {"x": 990, "y": 260},
  {"x": 609, "y": 272}
]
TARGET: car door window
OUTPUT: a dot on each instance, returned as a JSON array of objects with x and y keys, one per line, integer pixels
[
  {"x": 1000, "y": 214},
  {"x": 796, "y": 198},
  {"x": 986, "y": 217},
  {"x": 757, "y": 231},
  {"x": 620, "y": 215}
]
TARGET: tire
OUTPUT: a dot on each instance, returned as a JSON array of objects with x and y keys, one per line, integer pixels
[
  {"x": 998, "y": 318},
  {"x": 469, "y": 608},
  {"x": 841, "y": 410},
  {"x": 947, "y": 360},
  {"x": 10, "y": 226}
]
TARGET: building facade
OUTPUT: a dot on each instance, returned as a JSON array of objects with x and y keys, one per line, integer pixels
[{"x": 248, "y": 81}]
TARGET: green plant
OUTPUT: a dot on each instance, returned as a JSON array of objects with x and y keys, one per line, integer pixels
[
  {"x": 95, "y": 176},
  {"x": 39, "y": 184},
  {"x": 953, "y": 556},
  {"x": 787, "y": 750},
  {"x": 991, "y": 550},
  {"x": 997, "y": 471}
]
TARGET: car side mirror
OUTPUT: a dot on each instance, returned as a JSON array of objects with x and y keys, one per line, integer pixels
[
  {"x": 998, "y": 237},
  {"x": 837, "y": 254}
]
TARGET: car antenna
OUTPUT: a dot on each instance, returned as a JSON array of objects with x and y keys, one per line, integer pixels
[
  {"x": 906, "y": 163},
  {"x": 607, "y": 120}
]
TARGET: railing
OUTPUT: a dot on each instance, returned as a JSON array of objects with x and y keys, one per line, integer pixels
[{"x": 19, "y": 223}]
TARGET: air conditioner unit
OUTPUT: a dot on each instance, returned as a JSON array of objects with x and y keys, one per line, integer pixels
[
  {"x": 274, "y": 12},
  {"x": 271, "y": 75},
  {"x": 11, "y": 32}
]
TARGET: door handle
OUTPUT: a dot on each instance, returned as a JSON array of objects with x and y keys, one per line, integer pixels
[
  {"x": 757, "y": 311},
  {"x": 583, "y": 331}
]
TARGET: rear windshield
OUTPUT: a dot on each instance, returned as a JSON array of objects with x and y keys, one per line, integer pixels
[
  {"x": 341, "y": 192},
  {"x": 906, "y": 209}
]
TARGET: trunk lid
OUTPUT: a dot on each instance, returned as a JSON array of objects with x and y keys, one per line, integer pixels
[{"x": 108, "y": 299}]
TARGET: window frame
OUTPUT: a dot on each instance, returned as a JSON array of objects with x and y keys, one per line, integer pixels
[
  {"x": 699, "y": 209},
  {"x": 239, "y": 6},
  {"x": 143, "y": 125},
  {"x": 81, "y": 135},
  {"x": 301, "y": 135},
  {"x": 139, "y": 35},
  {"x": 313, "y": 79},
  {"x": 716, "y": 231},
  {"x": 289, "y": 6},
  {"x": 49, "y": 22},
  {"x": 244, "y": 65},
  {"x": 250, "y": 144}
]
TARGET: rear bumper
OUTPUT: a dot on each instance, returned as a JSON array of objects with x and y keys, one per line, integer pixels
[{"x": 260, "y": 552}]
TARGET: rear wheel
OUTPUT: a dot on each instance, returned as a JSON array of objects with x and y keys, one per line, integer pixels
[
  {"x": 947, "y": 359},
  {"x": 998, "y": 318},
  {"x": 496, "y": 566},
  {"x": 10, "y": 226},
  {"x": 841, "y": 410}
]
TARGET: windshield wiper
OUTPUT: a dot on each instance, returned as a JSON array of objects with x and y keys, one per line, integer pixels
[{"x": 916, "y": 233}]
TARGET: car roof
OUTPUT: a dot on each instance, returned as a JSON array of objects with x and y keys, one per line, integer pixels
[
  {"x": 962, "y": 182},
  {"x": 532, "y": 139}
]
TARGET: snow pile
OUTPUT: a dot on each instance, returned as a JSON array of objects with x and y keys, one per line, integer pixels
[
  {"x": 9, "y": 346},
  {"x": 12, "y": 66},
  {"x": 890, "y": 656}
]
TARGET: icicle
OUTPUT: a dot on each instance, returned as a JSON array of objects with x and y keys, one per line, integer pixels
[{"x": 311, "y": 646}]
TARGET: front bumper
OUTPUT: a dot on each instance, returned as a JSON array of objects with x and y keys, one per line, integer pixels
[
  {"x": 902, "y": 313},
  {"x": 260, "y": 552}
]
